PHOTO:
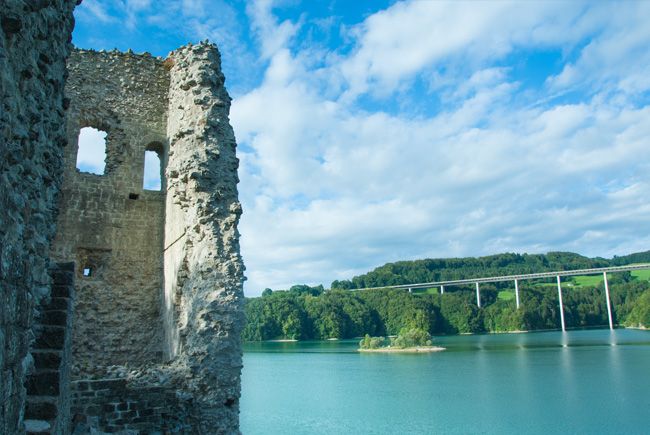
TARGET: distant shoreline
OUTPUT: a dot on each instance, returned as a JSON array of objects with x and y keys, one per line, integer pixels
[
  {"x": 514, "y": 331},
  {"x": 418, "y": 349},
  {"x": 640, "y": 328}
]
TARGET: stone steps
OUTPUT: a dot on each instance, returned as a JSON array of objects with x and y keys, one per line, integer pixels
[
  {"x": 41, "y": 427},
  {"x": 52, "y": 338},
  {"x": 41, "y": 408},
  {"x": 58, "y": 304},
  {"x": 44, "y": 384},
  {"x": 47, "y": 358}
]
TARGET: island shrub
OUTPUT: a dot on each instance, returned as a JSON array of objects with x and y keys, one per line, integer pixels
[
  {"x": 414, "y": 337},
  {"x": 369, "y": 342}
]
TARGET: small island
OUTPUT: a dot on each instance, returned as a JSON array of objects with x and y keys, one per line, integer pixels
[{"x": 412, "y": 340}]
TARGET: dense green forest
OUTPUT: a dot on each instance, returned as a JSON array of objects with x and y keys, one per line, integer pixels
[
  {"x": 305, "y": 312},
  {"x": 447, "y": 269}
]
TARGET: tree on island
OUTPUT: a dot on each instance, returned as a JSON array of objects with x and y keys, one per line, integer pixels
[
  {"x": 369, "y": 342},
  {"x": 407, "y": 338},
  {"x": 414, "y": 337}
]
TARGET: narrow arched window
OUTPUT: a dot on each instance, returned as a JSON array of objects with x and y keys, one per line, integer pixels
[
  {"x": 153, "y": 167},
  {"x": 91, "y": 156}
]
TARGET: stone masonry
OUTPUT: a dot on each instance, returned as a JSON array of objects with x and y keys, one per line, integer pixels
[
  {"x": 34, "y": 43},
  {"x": 164, "y": 275},
  {"x": 108, "y": 224},
  {"x": 156, "y": 307},
  {"x": 203, "y": 269}
]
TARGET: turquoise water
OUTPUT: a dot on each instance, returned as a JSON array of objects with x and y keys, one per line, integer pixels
[{"x": 579, "y": 382}]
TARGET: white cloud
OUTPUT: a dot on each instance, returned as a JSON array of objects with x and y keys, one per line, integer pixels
[
  {"x": 133, "y": 7},
  {"x": 331, "y": 190},
  {"x": 412, "y": 37},
  {"x": 272, "y": 36},
  {"x": 91, "y": 155},
  {"x": 400, "y": 188},
  {"x": 421, "y": 135},
  {"x": 616, "y": 59},
  {"x": 94, "y": 10}
]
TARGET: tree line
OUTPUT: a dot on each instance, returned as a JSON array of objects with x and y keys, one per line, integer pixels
[
  {"x": 449, "y": 269},
  {"x": 309, "y": 312}
]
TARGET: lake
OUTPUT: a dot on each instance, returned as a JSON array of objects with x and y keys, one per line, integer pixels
[{"x": 587, "y": 382}]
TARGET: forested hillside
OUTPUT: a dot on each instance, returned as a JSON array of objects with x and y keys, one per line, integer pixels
[
  {"x": 444, "y": 269},
  {"x": 305, "y": 312}
]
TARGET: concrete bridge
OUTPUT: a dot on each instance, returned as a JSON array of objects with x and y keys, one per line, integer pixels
[{"x": 516, "y": 278}]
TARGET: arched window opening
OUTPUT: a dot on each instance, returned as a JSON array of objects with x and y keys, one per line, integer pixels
[
  {"x": 153, "y": 167},
  {"x": 91, "y": 156}
]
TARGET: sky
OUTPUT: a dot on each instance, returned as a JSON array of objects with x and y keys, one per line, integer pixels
[{"x": 375, "y": 131}]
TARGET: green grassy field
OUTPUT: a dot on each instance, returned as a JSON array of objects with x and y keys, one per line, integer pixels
[
  {"x": 426, "y": 291},
  {"x": 506, "y": 295},
  {"x": 641, "y": 274},
  {"x": 587, "y": 281}
]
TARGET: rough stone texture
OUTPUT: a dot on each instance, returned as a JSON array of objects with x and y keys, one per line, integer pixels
[
  {"x": 114, "y": 406},
  {"x": 166, "y": 279},
  {"x": 34, "y": 42},
  {"x": 166, "y": 274},
  {"x": 203, "y": 268},
  {"x": 108, "y": 223}
]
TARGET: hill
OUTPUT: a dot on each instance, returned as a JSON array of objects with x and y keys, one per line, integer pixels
[
  {"x": 445, "y": 269},
  {"x": 310, "y": 312}
]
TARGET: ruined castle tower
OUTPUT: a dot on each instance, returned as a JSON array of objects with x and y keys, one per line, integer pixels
[
  {"x": 159, "y": 276},
  {"x": 139, "y": 328}
]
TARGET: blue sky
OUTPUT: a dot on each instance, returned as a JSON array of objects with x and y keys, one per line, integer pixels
[{"x": 376, "y": 131}]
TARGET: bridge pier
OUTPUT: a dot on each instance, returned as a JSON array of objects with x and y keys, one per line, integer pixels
[
  {"x": 442, "y": 289},
  {"x": 517, "y": 293},
  {"x": 609, "y": 302},
  {"x": 559, "y": 294},
  {"x": 478, "y": 296}
]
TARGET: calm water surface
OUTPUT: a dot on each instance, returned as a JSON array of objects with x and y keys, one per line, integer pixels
[{"x": 579, "y": 382}]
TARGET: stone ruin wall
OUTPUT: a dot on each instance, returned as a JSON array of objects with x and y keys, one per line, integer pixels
[
  {"x": 165, "y": 294},
  {"x": 204, "y": 272},
  {"x": 34, "y": 42},
  {"x": 108, "y": 224},
  {"x": 125, "y": 313}
]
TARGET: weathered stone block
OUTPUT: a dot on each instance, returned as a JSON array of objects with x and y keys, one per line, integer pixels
[{"x": 94, "y": 410}]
